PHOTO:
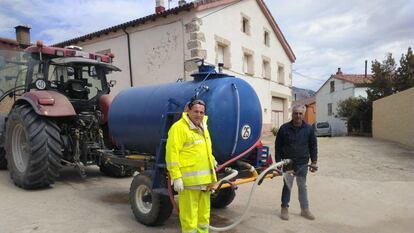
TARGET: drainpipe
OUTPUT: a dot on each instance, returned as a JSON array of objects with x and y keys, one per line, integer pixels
[{"x": 129, "y": 58}]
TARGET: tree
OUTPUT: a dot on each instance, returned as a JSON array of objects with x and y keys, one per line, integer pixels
[
  {"x": 388, "y": 79},
  {"x": 405, "y": 73},
  {"x": 358, "y": 113},
  {"x": 383, "y": 76}
]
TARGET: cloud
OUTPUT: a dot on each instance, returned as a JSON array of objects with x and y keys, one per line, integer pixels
[
  {"x": 6, "y": 23},
  {"x": 55, "y": 21},
  {"x": 325, "y": 35}
]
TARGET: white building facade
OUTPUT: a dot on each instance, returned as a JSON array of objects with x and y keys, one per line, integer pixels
[
  {"x": 241, "y": 34},
  {"x": 338, "y": 88}
]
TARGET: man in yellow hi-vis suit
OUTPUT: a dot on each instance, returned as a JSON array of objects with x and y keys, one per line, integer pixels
[{"x": 191, "y": 163}]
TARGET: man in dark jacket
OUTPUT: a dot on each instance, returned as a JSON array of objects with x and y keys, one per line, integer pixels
[{"x": 296, "y": 140}]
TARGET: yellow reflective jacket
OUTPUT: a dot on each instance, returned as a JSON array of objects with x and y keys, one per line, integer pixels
[{"x": 189, "y": 153}]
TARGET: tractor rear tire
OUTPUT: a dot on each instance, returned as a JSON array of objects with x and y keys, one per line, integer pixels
[
  {"x": 33, "y": 148},
  {"x": 3, "y": 160},
  {"x": 115, "y": 171},
  {"x": 222, "y": 198},
  {"x": 150, "y": 208}
]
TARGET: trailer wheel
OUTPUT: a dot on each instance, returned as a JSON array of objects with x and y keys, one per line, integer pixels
[
  {"x": 149, "y": 208},
  {"x": 33, "y": 148},
  {"x": 3, "y": 160},
  {"x": 222, "y": 198},
  {"x": 115, "y": 171}
]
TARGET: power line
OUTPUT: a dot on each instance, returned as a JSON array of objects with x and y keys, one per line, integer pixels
[{"x": 306, "y": 76}]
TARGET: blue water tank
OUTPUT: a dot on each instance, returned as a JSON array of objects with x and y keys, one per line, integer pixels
[{"x": 136, "y": 115}]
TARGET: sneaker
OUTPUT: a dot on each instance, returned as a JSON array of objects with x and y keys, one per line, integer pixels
[
  {"x": 307, "y": 214},
  {"x": 284, "y": 213}
]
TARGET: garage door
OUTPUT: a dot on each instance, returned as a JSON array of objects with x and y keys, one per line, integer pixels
[{"x": 277, "y": 112}]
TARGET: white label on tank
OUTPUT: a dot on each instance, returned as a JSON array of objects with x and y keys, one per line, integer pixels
[{"x": 246, "y": 131}]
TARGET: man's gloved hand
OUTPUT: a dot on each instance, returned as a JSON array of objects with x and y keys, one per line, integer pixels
[
  {"x": 313, "y": 167},
  {"x": 178, "y": 185}
]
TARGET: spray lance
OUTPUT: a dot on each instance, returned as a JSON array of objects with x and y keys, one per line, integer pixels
[{"x": 233, "y": 173}]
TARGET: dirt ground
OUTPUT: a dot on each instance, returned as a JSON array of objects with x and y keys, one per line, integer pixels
[{"x": 363, "y": 185}]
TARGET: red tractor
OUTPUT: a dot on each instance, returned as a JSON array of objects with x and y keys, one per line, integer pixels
[{"x": 58, "y": 111}]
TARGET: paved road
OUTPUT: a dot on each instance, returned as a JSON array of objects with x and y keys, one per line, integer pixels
[{"x": 364, "y": 185}]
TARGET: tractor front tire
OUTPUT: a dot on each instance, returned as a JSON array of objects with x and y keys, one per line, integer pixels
[
  {"x": 3, "y": 160},
  {"x": 33, "y": 148},
  {"x": 150, "y": 208},
  {"x": 222, "y": 198}
]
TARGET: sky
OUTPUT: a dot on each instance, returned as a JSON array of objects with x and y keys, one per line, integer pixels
[{"x": 323, "y": 34}]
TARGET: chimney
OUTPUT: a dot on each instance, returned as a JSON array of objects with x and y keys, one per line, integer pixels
[
  {"x": 181, "y": 2},
  {"x": 366, "y": 66},
  {"x": 23, "y": 35},
  {"x": 159, "y": 6},
  {"x": 339, "y": 72}
]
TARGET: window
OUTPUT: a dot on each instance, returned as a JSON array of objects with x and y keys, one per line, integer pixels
[
  {"x": 222, "y": 51},
  {"x": 266, "y": 69},
  {"x": 245, "y": 27},
  {"x": 330, "y": 109},
  {"x": 332, "y": 86},
  {"x": 248, "y": 64},
  {"x": 79, "y": 81},
  {"x": 322, "y": 125},
  {"x": 280, "y": 74},
  {"x": 266, "y": 38}
]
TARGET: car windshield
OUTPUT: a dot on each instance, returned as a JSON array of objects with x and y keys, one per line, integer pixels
[{"x": 322, "y": 125}]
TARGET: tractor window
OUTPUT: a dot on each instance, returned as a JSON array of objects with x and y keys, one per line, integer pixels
[
  {"x": 89, "y": 73},
  {"x": 77, "y": 81}
]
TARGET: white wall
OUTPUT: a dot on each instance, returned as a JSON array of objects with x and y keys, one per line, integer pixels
[
  {"x": 229, "y": 28},
  {"x": 157, "y": 54},
  {"x": 361, "y": 92}
]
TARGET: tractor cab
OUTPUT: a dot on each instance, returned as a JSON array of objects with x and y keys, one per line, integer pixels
[{"x": 78, "y": 75}]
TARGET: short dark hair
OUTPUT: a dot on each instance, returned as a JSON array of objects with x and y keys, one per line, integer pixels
[{"x": 196, "y": 101}]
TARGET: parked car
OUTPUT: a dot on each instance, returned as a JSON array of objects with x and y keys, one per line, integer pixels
[{"x": 322, "y": 129}]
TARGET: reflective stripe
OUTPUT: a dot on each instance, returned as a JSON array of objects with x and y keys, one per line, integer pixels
[
  {"x": 197, "y": 173},
  {"x": 197, "y": 187},
  {"x": 194, "y": 142},
  {"x": 192, "y": 231},
  {"x": 203, "y": 226},
  {"x": 172, "y": 163}
]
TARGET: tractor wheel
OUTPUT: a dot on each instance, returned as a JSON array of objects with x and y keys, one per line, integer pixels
[
  {"x": 115, "y": 171},
  {"x": 33, "y": 148},
  {"x": 149, "y": 208},
  {"x": 222, "y": 198},
  {"x": 3, "y": 160}
]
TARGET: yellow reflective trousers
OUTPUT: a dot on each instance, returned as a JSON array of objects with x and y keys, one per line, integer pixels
[{"x": 194, "y": 210}]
